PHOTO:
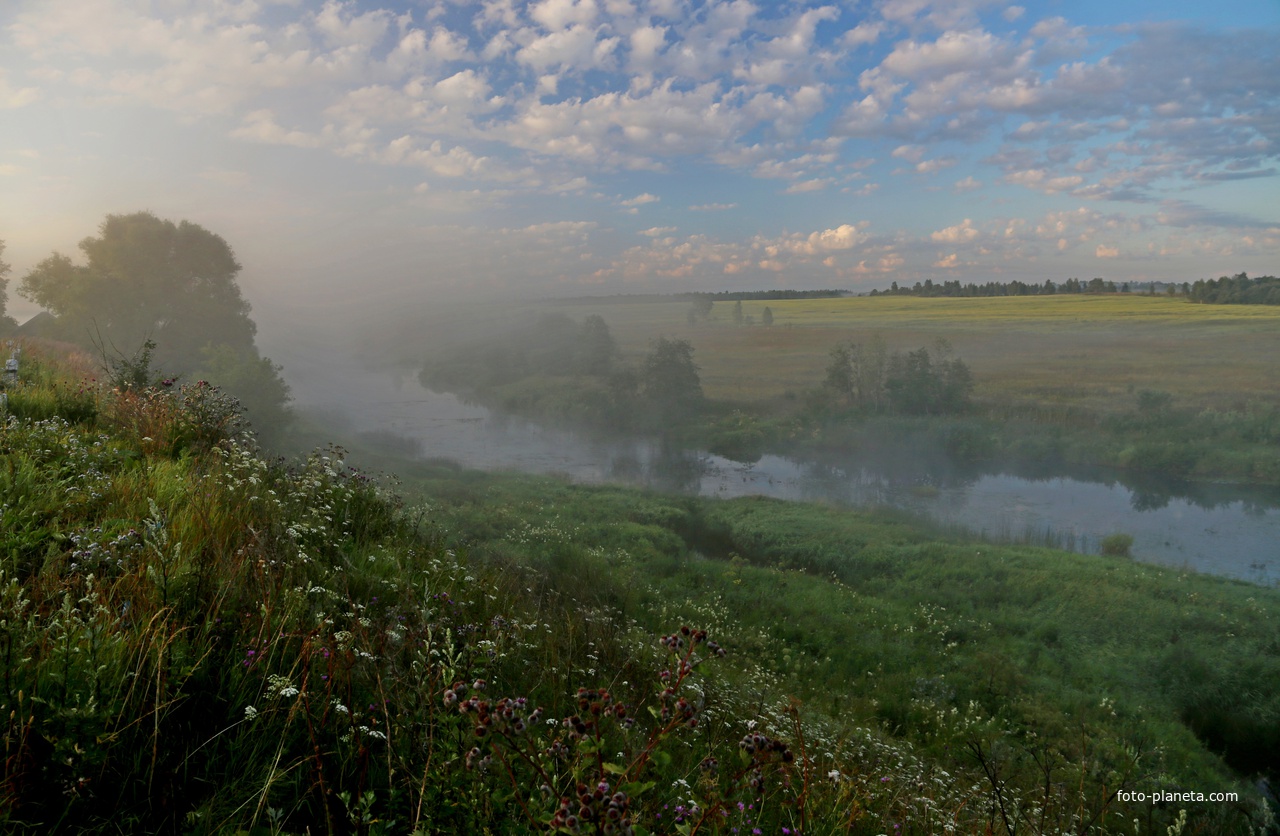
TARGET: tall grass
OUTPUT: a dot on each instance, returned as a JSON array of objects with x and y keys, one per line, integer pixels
[{"x": 195, "y": 640}]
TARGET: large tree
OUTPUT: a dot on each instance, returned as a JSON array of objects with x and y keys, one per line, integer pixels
[
  {"x": 6, "y": 323},
  {"x": 147, "y": 281},
  {"x": 147, "y": 278},
  {"x": 669, "y": 382}
]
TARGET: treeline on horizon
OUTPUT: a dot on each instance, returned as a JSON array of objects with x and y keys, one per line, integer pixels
[
  {"x": 721, "y": 296},
  {"x": 1013, "y": 288},
  {"x": 1237, "y": 290},
  {"x": 1227, "y": 290}
]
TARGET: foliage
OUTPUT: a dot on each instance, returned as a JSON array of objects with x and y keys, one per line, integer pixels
[
  {"x": 1117, "y": 545},
  {"x": 6, "y": 321},
  {"x": 146, "y": 278},
  {"x": 201, "y": 641},
  {"x": 171, "y": 290},
  {"x": 1014, "y": 288},
  {"x": 921, "y": 382},
  {"x": 134, "y": 372},
  {"x": 1236, "y": 290},
  {"x": 256, "y": 383},
  {"x": 669, "y": 383}
]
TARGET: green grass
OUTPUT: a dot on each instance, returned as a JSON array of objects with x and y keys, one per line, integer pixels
[
  {"x": 1077, "y": 349},
  {"x": 1088, "y": 351},
  {"x": 195, "y": 640},
  {"x": 1058, "y": 378}
]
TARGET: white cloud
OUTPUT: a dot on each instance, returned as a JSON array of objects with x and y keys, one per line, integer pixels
[
  {"x": 1104, "y": 251},
  {"x": 863, "y": 33},
  {"x": 1042, "y": 181},
  {"x": 14, "y": 97},
  {"x": 952, "y": 52},
  {"x": 962, "y": 232},
  {"x": 815, "y": 185},
  {"x": 261, "y": 126},
  {"x": 556, "y": 15},
  {"x": 640, "y": 200}
]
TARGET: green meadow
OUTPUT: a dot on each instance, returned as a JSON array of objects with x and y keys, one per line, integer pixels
[
  {"x": 198, "y": 639},
  {"x": 1079, "y": 350},
  {"x": 1155, "y": 384}
]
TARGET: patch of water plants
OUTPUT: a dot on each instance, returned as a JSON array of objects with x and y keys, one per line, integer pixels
[{"x": 195, "y": 639}]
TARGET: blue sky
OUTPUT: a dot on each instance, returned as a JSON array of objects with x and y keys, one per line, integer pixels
[{"x": 378, "y": 153}]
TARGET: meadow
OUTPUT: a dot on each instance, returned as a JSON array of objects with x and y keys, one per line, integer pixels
[
  {"x": 1150, "y": 383},
  {"x": 1086, "y": 351},
  {"x": 197, "y": 639}
]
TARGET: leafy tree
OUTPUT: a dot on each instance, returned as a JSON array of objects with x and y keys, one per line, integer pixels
[
  {"x": 6, "y": 321},
  {"x": 147, "y": 278},
  {"x": 924, "y": 382},
  {"x": 857, "y": 373},
  {"x": 669, "y": 382},
  {"x": 596, "y": 348},
  {"x": 170, "y": 287},
  {"x": 767, "y": 316},
  {"x": 700, "y": 308},
  {"x": 256, "y": 383},
  {"x": 840, "y": 373}
]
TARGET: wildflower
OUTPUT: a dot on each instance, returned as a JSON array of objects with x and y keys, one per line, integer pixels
[{"x": 250, "y": 712}]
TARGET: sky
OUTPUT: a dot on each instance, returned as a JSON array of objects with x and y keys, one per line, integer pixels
[{"x": 372, "y": 155}]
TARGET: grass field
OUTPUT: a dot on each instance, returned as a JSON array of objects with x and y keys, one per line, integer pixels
[{"x": 1086, "y": 351}]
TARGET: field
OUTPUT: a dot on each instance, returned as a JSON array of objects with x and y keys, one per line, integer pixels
[
  {"x": 1082, "y": 351},
  {"x": 203, "y": 641}
]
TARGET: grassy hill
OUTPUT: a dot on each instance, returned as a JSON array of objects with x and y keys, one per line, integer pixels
[{"x": 195, "y": 639}]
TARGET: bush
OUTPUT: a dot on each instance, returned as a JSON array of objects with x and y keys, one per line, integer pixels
[{"x": 1117, "y": 545}]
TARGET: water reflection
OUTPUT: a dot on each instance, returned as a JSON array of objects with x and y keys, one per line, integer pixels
[{"x": 1223, "y": 529}]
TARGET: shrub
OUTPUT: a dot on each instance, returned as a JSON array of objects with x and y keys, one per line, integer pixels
[{"x": 1117, "y": 545}]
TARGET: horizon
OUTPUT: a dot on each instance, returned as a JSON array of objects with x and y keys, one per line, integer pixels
[{"x": 376, "y": 157}]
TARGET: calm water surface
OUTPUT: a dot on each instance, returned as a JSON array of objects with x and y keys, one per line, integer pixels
[{"x": 1212, "y": 529}]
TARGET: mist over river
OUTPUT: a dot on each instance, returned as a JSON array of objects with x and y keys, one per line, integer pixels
[{"x": 1224, "y": 530}]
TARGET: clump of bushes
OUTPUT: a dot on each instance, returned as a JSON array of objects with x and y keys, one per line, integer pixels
[{"x": 1117, "y": 545}]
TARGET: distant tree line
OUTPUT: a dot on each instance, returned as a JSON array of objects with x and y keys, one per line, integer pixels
[
  {"x": 1237, "y": 290},
  {"x": 764, "y": 295},
  {"x": 1013, "y": 288},
  {"x": 869, "y": 378}
]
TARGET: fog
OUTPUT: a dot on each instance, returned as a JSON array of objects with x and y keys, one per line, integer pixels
[{"x": 394, "y": 180}]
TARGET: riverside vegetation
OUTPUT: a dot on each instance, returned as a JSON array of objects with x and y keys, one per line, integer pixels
[
  {"x": 195, "y": 639},
  {"x": 1157, "y": 384}
]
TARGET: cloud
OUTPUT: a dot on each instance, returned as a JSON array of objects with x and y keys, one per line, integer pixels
[
  {"x": 815, "y": 185},
  {"x": 712, "y": 207},
  {"x": 968, "y": 184},
  {"x": 1042, "y": 181},
  {"x": 261, "y": 126},
  {"x": 15, "y": 97},
  {"x": 640, "y": 200},
  {"x": 1104, "y": 251},
  {"x": 935, "y": 165},
  {"x": 962, "y": 232}
]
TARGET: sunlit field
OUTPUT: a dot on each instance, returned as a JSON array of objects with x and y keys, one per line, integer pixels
[{"x": 1080, "y": 350}]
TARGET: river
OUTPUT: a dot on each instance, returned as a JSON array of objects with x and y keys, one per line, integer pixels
[{"x": 1215, "y": 529}]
